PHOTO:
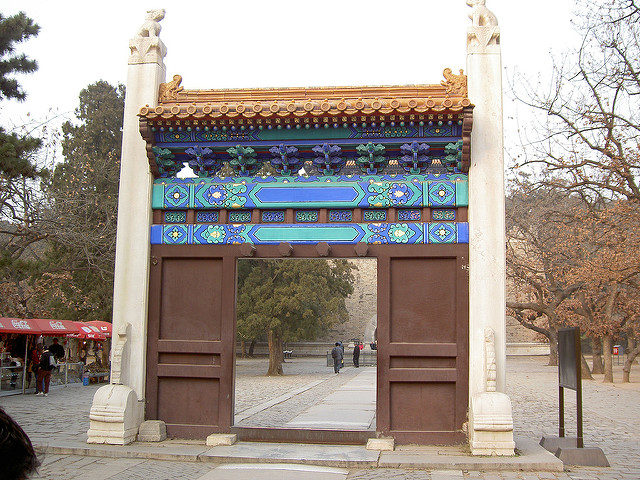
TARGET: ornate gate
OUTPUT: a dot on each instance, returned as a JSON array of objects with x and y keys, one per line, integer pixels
[{"x": 391, "y": 185}]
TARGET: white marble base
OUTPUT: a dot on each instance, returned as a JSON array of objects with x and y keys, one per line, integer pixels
[
  {"x": 382, "y": 444},
  {"x": 115, "y": 416},
  {"x": 216, "y": 439},
  {"x": 491, "y": 425}
]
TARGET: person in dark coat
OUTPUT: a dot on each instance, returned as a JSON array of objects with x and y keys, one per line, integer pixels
[
  {"x": 337, "y": 354},
  {"x": 356, "y": 355},
  {"x": 56, "y": 349}
]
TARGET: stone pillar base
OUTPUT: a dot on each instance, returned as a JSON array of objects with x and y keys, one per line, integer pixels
[
  {"x": 115, "y": 416},
  {"x": 491, "y": 425}
]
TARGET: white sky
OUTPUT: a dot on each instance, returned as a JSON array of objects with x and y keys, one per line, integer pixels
[{"x": 258, "y": 43}]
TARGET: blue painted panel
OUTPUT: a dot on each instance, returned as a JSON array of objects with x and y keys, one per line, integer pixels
[
  {"x": 332, "y": 194},
  {"x": 463, "y": 232},
  {"x": 336, "y": 233}
]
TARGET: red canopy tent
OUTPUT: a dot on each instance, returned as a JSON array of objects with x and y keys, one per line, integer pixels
[
  {"x": 38, "y": 326},
  {"x": 87, "y": 331},
  {"x": 104, "y": 327}
]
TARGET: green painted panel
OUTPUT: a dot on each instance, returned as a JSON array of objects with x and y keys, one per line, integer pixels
[
  {"x": 462, "y": 194},
  {"x": 157, "y": 197}
]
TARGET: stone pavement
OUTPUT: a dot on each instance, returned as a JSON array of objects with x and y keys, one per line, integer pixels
[{"x": 612, "y": 417}]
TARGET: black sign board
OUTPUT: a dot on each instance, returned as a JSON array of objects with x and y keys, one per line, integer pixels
[
  {"x": 568, "y": 364},
  {"x": 570, "y": 375}
]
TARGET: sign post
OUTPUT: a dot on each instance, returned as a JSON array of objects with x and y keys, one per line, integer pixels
[
  {"x": 571, "y": 450},
  {"x": 570, "y": 376}
]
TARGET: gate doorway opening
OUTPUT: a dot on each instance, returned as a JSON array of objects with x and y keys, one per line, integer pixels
[{"x": 289, "y": 315}]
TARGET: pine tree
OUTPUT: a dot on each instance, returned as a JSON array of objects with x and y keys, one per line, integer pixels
[{"x": 15, "y": 150}]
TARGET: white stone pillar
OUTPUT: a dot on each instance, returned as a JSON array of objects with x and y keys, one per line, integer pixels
[
  {"x": 487, "y": 282},
  {"x": 118, "y": 409}
]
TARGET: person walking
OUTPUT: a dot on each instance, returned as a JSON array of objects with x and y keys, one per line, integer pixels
[
  {"x": 36, "y": 353},
  {"x": 337, "y": 354},
  {"x": 356, "y": 355},
  {"x": 47, "y": 363}
]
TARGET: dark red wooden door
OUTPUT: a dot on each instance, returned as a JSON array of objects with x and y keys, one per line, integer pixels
[
  {"x": 190, "y": 345},
  {"x": 422, "y": 346}
]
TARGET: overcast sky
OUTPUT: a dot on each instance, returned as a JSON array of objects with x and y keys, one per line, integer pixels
[{"x": 215, "y": 44}]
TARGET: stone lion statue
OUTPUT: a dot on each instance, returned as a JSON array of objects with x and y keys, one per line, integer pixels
[{"x": 151, "y": 26}]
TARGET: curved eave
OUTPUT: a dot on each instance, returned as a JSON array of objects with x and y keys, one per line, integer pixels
[{"x": 251, "y": 110}]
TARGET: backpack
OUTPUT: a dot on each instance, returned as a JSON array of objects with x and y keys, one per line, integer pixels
[{"x": 45, "y": 361}]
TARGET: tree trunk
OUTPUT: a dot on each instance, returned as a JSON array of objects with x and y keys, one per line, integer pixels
[
  {"x": 586, "y": 373},
  {"x": 607, "y": 347},
  {"x": 631, "y": 356},
  {"x": 275, "y": 354},
  {"x": 631, "y": 345},
  {"x": 252, "y": 345},
  {"x": 243, "y": 348},
  {"x": 596, "y": 348},
  {"x": 553, "y": 348}
]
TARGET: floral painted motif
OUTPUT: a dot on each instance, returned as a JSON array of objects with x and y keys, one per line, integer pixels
[
  {"x": 372, "y": 160},
  {"x": 284, "y": 160},
  {"x": 409, "y": 214},
  {"x": 442, "y": 233},
  {"x": 378, "y": 227},
  {"x": 400, "y": 233},
  {"x": 165, "y": 160},
  {"x": 175, "y": 234},
  {"x": 215, "y": 194},
  {"x": 415, "y": 159},
  {"x": 175, "y": 217},
  {"x": 453, "y": 156},
  {"x": 235, "y": 199},
  {"x": 202, "y": 161},
  {"x": 328, "y": 161},
  {"x": 377, "y": 239},
  {"x": 207, "y": 217},
  {"x": 388, "y": 194},
  {"x": 215, "y": 234},
  {"x": 176, "y": 196},
  {"x": 243, "y": 160}
]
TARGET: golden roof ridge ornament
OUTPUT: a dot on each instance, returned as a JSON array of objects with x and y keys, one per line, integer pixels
[
  {"x": 454, "y": 84},
  {"x": 169, "y": 91}
]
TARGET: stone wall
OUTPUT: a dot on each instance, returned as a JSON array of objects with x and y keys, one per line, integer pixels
[{"x": 361, "y": 305}]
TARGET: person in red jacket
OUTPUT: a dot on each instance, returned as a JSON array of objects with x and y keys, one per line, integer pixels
[{"x": 47, "y": 363}]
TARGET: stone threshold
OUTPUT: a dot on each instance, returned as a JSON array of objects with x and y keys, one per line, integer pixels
[{"x": 531, "y": 456}]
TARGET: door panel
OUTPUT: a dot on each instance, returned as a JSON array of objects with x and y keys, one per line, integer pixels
[
  {"x": 422, "y": 351},
  {"x": 190, "y": 369}
]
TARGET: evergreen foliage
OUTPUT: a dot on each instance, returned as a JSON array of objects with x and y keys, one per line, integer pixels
[
  {"x": 290, "y": 300},
  {"x": 15, "y": 150},
  {"x": 83, "y": 194}
]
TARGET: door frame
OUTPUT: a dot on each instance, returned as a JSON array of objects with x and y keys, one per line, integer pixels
[{"x": 227, "y": 343}]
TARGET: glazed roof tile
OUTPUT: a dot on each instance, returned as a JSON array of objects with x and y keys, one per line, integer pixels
[{"x": 177, "y": 103}]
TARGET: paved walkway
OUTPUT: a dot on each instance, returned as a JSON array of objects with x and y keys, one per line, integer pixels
[
  {"x": 351, "y": 407},
  {"x": 612, "y": 418}
]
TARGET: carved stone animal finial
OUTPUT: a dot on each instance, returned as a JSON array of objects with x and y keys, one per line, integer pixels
[
  {"x": 151, "y": 26},
  {"x": 491, "y": 374},
  {"x": 146, "y": 46},
  {"x": 455, "y": 84},
  {"x": 170, "y": 90},
  {"x": 481, "y": 16},
  {"x": 484, "y": 34}
]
